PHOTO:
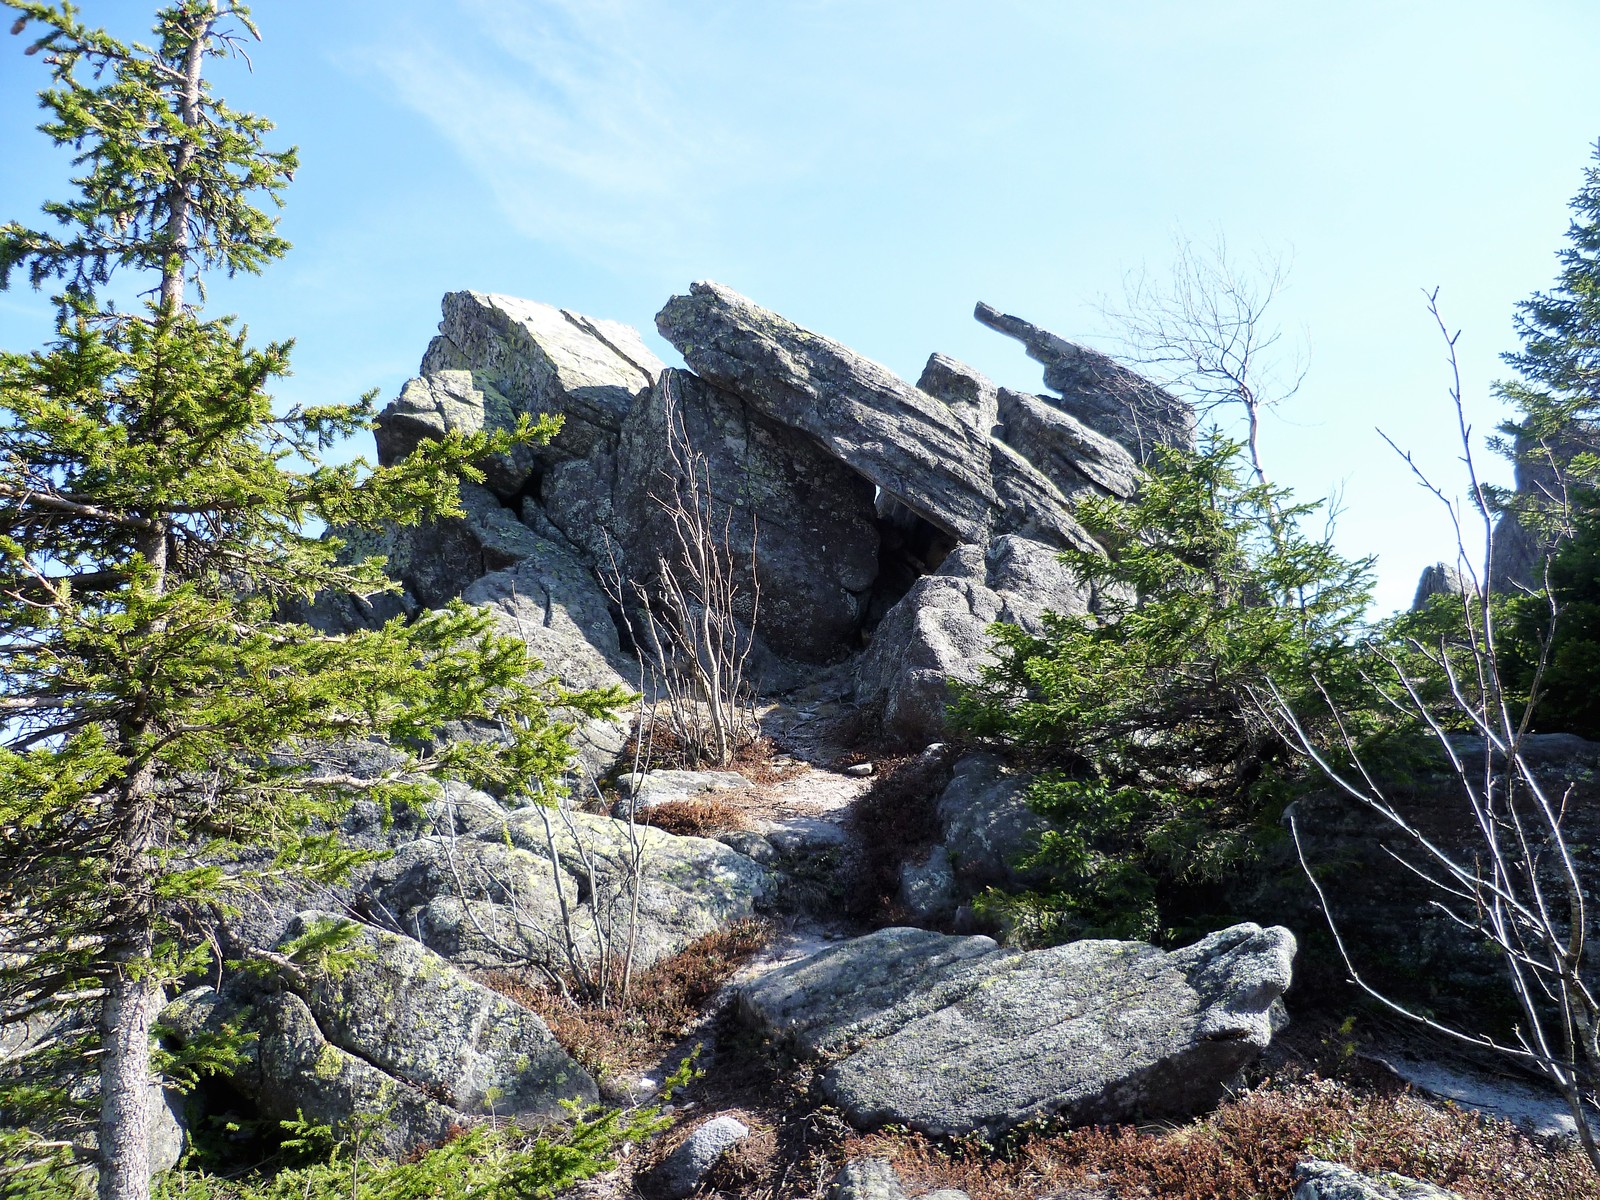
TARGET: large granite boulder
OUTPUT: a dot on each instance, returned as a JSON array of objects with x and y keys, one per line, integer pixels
[
  {"x": 497, "y": 358},
  {"x": 398, "y": 1034},
  {"x": 1100, "y": 392},
  {"x": 545, "y": 880},
  {"x": 775, "y": 499},
  {"x": 954, "y": 1035},
  {"x": 898, "y": 436},
  {"x": 553, "y": 603},
  {"x": 938, "y": 631}
]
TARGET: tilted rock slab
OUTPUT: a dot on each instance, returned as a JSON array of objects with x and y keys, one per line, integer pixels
[
  {"x": 907, "y": 442},
  {"x": 499, "y": 357},
  {"x": 954, "y": 1035},
  {"x": 1099, "y": 391},
  {"x": 1068, "y": 453}
]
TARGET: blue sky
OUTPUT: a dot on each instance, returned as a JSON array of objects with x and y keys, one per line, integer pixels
[{"x": 871, "y": 168}]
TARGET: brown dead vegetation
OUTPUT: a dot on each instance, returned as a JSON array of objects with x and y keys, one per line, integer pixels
[
  {"x": 705, "y": 815},
  {"x": 665, "y": 1000}
]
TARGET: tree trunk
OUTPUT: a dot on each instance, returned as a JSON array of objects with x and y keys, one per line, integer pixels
[{"x": 127, "y": 1099}]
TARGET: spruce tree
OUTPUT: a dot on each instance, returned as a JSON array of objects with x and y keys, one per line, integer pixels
[{"x": 160, "y": 726}]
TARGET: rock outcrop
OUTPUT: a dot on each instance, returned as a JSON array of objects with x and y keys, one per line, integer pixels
[
  {"x": 519, "y": 891},
  {"x": 1103, "y": 394},
  {"x": 398, "y": 1036},
  {"x": 851, "y": 505},
  {"x": 953, "y": 1035}
]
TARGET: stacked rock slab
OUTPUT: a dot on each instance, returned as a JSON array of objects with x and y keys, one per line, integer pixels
[
  {"x": 855, "y": 500},
  {"x": 990, "y": 469},
  {"x": 953, "y": 1035}
]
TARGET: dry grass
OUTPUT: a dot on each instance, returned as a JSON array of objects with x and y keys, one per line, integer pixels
[
  {"x": 1249, "y": 1147},
  {"x": 704, "y": 815},
  {"x": 664, "y": 1002}
]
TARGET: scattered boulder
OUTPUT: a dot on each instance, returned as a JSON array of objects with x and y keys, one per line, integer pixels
[
  {"x": 398, "y": 1035},
  {"x": 953, "y": 1035},
  {"x": 1317, "y": 1180},
  {"x": 517, "y": 891},
  {"x": 928, "y": 889},
  {"x": 939, "y": 631},
  {"x": 408, "y": 1012},
  {"x": 866, "y": 1179},
  {"x": 987, "y": 824},
  {"x": 677, "y": 1177}
]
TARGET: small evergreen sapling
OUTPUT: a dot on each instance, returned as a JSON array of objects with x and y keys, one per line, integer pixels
[
  {"x": 157, "y": 720},
  {"x": 1157, "y": 763}
]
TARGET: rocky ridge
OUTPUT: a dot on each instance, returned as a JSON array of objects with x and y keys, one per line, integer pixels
[{"x": 891, "y": 523}]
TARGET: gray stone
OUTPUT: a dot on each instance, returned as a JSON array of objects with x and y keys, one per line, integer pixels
[
  {"x": 474, "y": 900},
  {"x": 290, "y": 1071},
  {"x": 802, "y": 520},
  {"x": 750, "y": 844},
  {"x": 953, "y": 1035},
  {"x": 500, "y": 358},
  {"x": 945, "y": 1194},
  {"x": 1441, "y": 579},
  {"x": 928, "y": 890},
  {"x": 866, "y": 1179},
  {"x": 938, "y": 632},
  {"x": 644, "y": 790},
  {"x": 972, "y": 397},
  {"x": 1100, "y": 392},
  {"x": 552, "y": 603},
  {"x": 805, "y": 835},
  {"x": 463, "y": 810},
  {"x": 1073, "y": 456},
  {"x": 987, "y": 824},
  {"x": 438, "y": 560},
  {"x": 690, "y": 886},
  {"x": 935, "y": 633},
  {"x": 687, "y": 1166},
  {"x": 1316, "y": 1180},
  {"x": 859, "y": 770},
  {"x": 409, "y": 1013},
  {"x": 496, "y": 899},
  {"x": 898, "y": 436}
]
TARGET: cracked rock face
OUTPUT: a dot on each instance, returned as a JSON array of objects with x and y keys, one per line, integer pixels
[
  {"x": 803, "y": 518},
  {"x": 953, "y": 1035}
]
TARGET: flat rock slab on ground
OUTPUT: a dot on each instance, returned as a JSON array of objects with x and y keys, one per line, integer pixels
[
  {"x": 953, "y": 1035},
  {"x": 1315, "y": 1180}
]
